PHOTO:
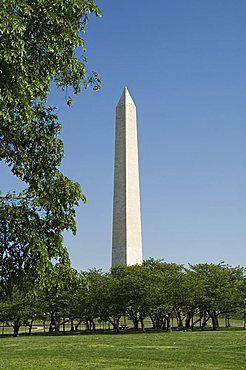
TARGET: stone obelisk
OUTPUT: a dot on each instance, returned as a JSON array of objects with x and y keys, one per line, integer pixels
[{"x": 127, "y": 239}]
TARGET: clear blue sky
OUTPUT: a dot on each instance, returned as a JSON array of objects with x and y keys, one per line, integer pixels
[{"x": 184, "y": 64}]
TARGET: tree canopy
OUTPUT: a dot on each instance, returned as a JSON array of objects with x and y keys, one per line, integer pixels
[
  {"x": 166, "y": 293},
  {"x": 41, "y": 42}
]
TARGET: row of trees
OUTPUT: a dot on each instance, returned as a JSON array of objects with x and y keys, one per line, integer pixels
[{"x": 155, "y": 290}]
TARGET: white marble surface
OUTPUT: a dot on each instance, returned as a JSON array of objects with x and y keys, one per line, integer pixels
[{"x": 127, "y": 239}]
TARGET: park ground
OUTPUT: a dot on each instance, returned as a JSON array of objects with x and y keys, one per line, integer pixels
[{"x": 161, "y": 350}]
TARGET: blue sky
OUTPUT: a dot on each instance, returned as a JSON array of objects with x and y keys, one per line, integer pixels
[{"x": 184, "y": 65}]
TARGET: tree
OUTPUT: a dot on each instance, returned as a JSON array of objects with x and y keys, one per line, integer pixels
[
  {"x": 41, "y": 41},
  {"x": 18, "y": 310},
  {"x": 90, "y": 299},
  {"x": 133, "y": 287},
  {"x": 54, "y": 299},
  {"x": 166, "y": 295},
  {"x": 220, "y": 290},
  {"x": 191, "y": 303},
  {"x": 109, "y": 305},
  {"x": 38, "y": 43}
]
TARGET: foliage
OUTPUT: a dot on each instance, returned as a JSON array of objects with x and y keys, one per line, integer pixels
[
  {"x": 220, "y": 289},
  {"x": 18, "y": 310},
  {"x": 38, "y": 44},
  {"x": 41, "y": 42},
  {"x": 54, "y": 299},
  {"x": 169, "y": 294},
  {"x": 134, "y": 287},
  {"x": 98, "y": 299}
]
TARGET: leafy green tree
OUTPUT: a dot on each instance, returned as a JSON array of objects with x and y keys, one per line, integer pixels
[
  {"x": 75, "y": 296},
  {"x": 220, "y": 290},
  {"x": 93, "y": 298},
  {"x": 166, "y": 295},
  {"x": 191, "y": 304},
  {"x": 41, "y": 42},
  {"x": 133, "y": 286},
  {"x": 28, "y": 240},
  {"x": 109, "y": 305},
  {"x": 54, "y": 299},
  {"x": 18, "y": 310}
]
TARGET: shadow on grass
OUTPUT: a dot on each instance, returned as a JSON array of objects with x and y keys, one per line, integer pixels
[{"x": 129, "y": 331}]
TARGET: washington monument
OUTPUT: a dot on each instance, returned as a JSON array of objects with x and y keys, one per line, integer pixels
[{"x": 127, "y": 239}]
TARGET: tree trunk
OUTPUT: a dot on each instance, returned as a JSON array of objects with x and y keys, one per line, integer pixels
[
  {"x": 153, "y": 320},
  {"x": 77, "y": 325},
  {"x": 72, "y": 325},
  {"x": 164, "y": 323},
  {"x": 16, "y": 326},
  {"x": 88, "y": 324},
  {"x": 160, "y": 323},
  {"x": 227, "y": 321},
  {"x": 217, "y": 321},
  {"x": 135, "y": 323},
  {"x": 116, "y": 324},
  {"x": 56, "y": 327},
  {"x": 179, "y": 319},
  {"x": 204, "y": 321},
  {"x": 187, "y": 322},
  {"x": 188, "y": 319},
  {"x": 52, "y": 325},
  {"x": 168, "y": 323},
  {"x": 50, "y": 328},
  {"x": 196, "y": 321},
  {"x": 142, "y": 324},
  {"x": 30, "y": 327},
  {"x": 214, "y": 322},
  {"x": 214, "y": 319}
]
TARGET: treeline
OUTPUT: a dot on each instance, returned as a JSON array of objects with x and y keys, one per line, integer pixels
[{"x": 156, "y": 290}]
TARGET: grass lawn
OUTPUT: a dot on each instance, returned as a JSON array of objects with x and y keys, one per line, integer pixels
[{"x": 176, "y": 350}]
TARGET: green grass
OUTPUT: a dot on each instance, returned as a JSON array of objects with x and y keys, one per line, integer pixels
[{"x": 176, "y": 350}]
